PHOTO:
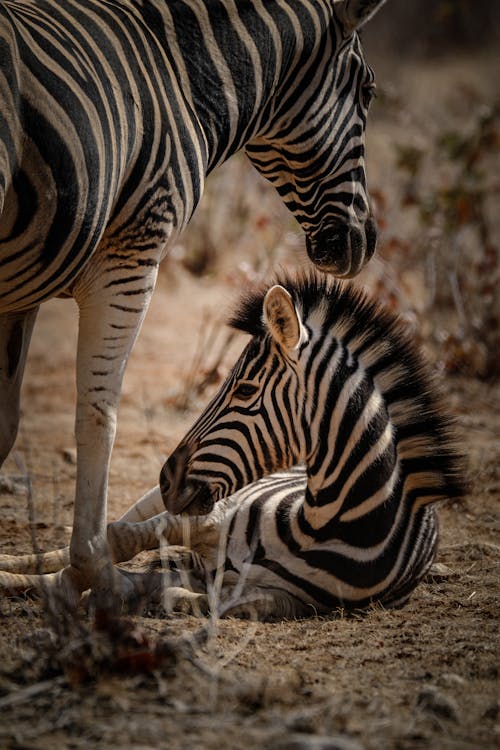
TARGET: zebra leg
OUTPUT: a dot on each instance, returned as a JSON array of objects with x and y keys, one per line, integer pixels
[
  {"x": 202, "y": 534},
  {"x": 126, "y": 537},
  {"x": 125, "y": 540},
  {"x": 254, "y": 604},
  {"x": 15, "y": 335},
  {"x": 189, "y": 542},
  {"x": 149, "y": 505},
  {"x": 112, "y": 307},
  {"x": 176, "y": 580},
  {"x": 45, "y": 562},
  {"x": 186, "y": 601}
]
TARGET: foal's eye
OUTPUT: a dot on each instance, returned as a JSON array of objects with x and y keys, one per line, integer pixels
[{"x": 245, "y": 391}]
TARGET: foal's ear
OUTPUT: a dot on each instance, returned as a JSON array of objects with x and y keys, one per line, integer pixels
[
  {"x": 282, "y": 318},
  {"x": 354, "y": 13}
]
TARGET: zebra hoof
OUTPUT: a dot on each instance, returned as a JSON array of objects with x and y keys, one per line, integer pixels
[
  {"x": 124, "y": 592},
  {"x": 183, "y": 601}
]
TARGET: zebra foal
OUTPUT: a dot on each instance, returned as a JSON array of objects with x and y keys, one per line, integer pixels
[
  {"x": 111, "y": 117},
  {"x": 332, "y": 382},
  {"x": 317, "y": 464}
]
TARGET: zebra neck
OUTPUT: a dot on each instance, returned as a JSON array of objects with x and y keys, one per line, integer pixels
[
  {"x": 354, "y": 469},
  {"x": 232, "y": 61},
  {"x": 354, "y": 515}
]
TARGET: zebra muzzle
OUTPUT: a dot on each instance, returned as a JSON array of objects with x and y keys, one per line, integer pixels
[
  {"x": 343, "y": 249},
  {"x": 181, "y": 493}
]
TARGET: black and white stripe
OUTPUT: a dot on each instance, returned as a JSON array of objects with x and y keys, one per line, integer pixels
[
  {"x": 111, "y": 116},
  {"x": 332, "y": 382}
]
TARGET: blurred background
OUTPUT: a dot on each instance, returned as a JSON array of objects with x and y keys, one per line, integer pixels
[{"x": 433, "y": 162}]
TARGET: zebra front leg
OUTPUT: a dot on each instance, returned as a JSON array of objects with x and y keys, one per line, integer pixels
[
  {"x": 19, "y": 573},
  {"x": 202, "y": 534},
  {"x": 112, "y": 308},
  {"x": 15, "y": 335},
  {"x": 176, "y": 535},
  {"x": 126, "y": 538},
  {"x": 149, "y": 505}
]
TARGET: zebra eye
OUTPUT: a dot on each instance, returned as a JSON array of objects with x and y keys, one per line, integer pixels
[
  {"x": 245, "y": 390},
  {"x": 368, "y": 92}
]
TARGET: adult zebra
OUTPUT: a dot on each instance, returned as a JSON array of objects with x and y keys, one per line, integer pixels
[
  {"x": 111, "y": 116},
  {"x": 332, "y": 382}
]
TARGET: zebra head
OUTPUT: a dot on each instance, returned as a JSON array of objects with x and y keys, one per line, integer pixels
[
  {"x": 242, "y": 436},
  {"x": 330, "y": 380},
  {"x": 312, "y": 148}
]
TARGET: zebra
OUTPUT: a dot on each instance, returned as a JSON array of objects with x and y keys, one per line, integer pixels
[
  {"x": 111, "y": 117},
  {"x": 309, "y": 483}
]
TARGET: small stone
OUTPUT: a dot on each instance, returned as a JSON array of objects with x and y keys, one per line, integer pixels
[
  {"x": 439, "y": 572},
  {"x": 69, "y": 456},
  {"x": 13, "y": 485},
  {"x": 433, "y": 701}
]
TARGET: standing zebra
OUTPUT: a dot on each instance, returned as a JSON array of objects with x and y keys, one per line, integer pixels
[
  {"x": 331, "y": 382},
  {"x": 111, "y": 116}
]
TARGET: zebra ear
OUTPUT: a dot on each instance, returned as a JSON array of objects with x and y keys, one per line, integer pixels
[
  {"x": 354, "y": 13},
  {"x": 282, "y": 318}
]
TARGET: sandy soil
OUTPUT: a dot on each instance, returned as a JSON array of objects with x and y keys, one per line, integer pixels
[{"x": 426, "y": 676}]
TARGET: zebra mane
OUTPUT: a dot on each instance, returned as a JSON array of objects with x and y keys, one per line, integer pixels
[
  {"x": 383, "y": 345},
  {"x": 339, "y": 304}
]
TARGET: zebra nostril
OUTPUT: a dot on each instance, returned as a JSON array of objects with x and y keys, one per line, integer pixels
[
  {"x": 194, "y": 498},
  {"x": 330, "y": 249},
  {"x": 343, "y": 249}
]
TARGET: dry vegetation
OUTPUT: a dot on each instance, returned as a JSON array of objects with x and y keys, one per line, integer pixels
[{"x": 423, "y": 677}]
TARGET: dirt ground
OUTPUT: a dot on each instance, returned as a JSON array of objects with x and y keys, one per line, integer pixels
[{"x": 426, "y": 676}]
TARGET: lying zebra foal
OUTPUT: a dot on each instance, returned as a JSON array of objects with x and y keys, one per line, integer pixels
[{"x": 309, "y": 482}]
